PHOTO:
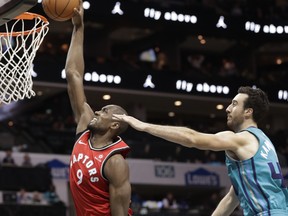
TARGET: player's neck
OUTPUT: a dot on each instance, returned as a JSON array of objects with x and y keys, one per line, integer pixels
[
  {"x": 98, "y": 141},
  {"x": 247, "y": 124}
]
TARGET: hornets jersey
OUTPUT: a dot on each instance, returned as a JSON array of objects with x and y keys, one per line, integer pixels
[{"x": 258, "y": 182}]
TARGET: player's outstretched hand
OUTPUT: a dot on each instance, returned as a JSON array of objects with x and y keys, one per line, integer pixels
[{"x": 133, "y": 122}]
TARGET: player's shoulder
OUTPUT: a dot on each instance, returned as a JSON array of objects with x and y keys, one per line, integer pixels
[
  {"x": 116, "y": 159},
  {"x": 116, "y": 162},
  {"x": 116, "y": 166},
  {"x": 239, "y": 135},
  {"x": 236, "y": 140}
]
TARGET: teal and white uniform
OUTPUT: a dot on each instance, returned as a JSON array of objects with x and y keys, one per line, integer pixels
[{"x": 258, "y": 182}]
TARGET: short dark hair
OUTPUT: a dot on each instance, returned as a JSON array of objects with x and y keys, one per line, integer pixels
[
  {"x": 123, "y": 125},
  {"x": 257, "y": 100}
]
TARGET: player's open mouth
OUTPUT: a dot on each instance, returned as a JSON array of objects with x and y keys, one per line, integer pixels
[{"x": 94, "y": 119}]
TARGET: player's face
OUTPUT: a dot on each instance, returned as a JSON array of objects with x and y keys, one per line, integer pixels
[
  {"x": 102, "y": 120},
  {"x": 235, "y": 112}
]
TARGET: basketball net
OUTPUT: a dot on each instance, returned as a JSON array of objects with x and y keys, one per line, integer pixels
[{"x": 18, "y": 47}]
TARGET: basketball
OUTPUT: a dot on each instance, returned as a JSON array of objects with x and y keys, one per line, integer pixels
[{"x": 60, "y": 10}]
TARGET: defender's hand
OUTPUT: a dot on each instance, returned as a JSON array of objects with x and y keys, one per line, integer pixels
[{"x": 133, "y": 122}]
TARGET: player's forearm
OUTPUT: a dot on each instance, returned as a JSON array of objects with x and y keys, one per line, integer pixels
[
  {"x": 119, "y": 211},
  {"x": 227, "y": 205},
  {"x": 223, "y": 211},
  {"x": 181, "y": 135},
  {"x": 120, "y": 206},
  {"x": 75, "y": 56},
  {"x": 120, "y": 198}
]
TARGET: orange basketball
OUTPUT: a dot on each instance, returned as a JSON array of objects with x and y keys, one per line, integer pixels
[{"x": 60, "y": 10}]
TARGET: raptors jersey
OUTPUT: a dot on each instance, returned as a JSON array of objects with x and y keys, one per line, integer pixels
[
  {"x": 89, "y": 187},
  {"x": 258, "y": 181}
]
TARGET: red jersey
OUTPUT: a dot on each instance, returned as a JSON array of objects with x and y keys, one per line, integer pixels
[{"x": 88, "y": 184}]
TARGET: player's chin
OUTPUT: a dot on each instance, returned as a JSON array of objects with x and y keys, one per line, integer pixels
[
  {"x": 90, "y": 125},
  {"x": 229, "y": 123}
]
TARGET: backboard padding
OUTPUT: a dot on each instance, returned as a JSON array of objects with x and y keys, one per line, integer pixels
[{"x": 9, "y": 9}]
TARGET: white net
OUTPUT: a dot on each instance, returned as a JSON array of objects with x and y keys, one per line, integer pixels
[{"x": 18, "y": 47}]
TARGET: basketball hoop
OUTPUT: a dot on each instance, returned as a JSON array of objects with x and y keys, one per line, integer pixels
[{"x": 19, "y": 43}]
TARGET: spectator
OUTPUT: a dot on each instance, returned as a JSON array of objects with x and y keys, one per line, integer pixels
[
  {"x": 161, "y": 62},
  {"x": 8, "y": 160},
  {"x": 37, "y": 198},
  {"x": 169, "y": 202},
  {"x": 51, "y": 196},
  {"x": 23, "y": 197},
  {"x": 26, "y": 161}
]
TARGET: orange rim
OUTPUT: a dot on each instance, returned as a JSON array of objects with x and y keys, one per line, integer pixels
[{"x": 26, "y": 16}]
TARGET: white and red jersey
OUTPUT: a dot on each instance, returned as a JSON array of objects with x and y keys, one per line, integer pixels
[{"x": 88, "y": 184}]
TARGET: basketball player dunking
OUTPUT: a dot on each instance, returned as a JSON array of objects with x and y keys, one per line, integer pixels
[{"x": 99, "y": 173}]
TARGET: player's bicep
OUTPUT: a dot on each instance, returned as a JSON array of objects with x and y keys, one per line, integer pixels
[
  {"x": 117, "y": 172},
  {"x": 222, "y": 141},
  {"x": 228, "y": 140},
  {"x": 233, "y": 197}
]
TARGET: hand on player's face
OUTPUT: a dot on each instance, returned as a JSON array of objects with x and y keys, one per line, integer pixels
[
  {"x": 133, "y": 122},
  {"x": 118, "y": 117}
]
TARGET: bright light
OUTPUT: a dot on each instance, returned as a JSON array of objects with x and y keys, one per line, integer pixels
[
  {"x": 86, "y": 5},
  {"x": 221, "y": 23},
  {"x": 178, "y": 103},
  {"x": 220, "y": 107},
  {"x": 184, "y": 85},
  {"x": 106, "y": 97},
  {"x": 278, "y": 61},
  {"x": 171, "y": 114},
  {"x": 10, "y": 123},
  {"x": 251, "y": 26},
  {"x": 203, "y": 41},
  {"x": 117, "y": 9},
  {"x": 173, "y": 16},
  {"x": 280, "y": 29},
  {"x": 283, "y": 95},
  {"x": 39, "y": 93}
]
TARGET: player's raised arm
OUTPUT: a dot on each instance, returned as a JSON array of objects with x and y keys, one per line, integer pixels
[{"x": 74, "y": 69}]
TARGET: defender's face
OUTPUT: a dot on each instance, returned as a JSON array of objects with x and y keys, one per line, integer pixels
[{"x": 235, "y": 112}]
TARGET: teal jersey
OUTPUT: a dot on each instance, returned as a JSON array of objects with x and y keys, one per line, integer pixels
[{"x": 258, "y": 182}]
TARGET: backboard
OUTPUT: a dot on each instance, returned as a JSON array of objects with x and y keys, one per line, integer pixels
[{"x": 9, "y": 9}]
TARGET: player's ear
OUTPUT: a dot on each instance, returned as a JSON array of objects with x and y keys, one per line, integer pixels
[
  {"x": 115, "y": 125},
  {"x": 249, "y": 111}
]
